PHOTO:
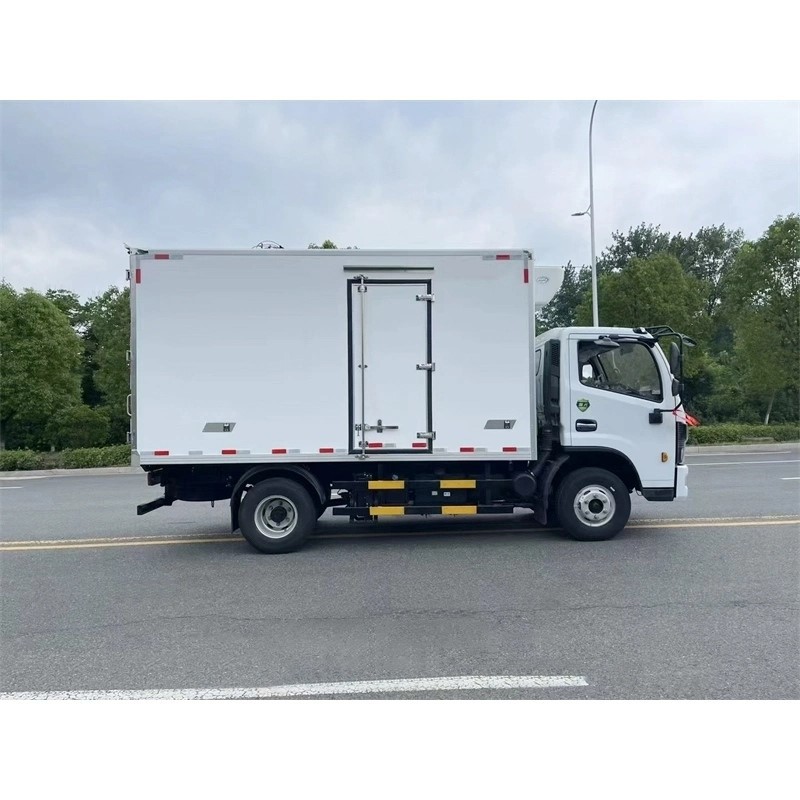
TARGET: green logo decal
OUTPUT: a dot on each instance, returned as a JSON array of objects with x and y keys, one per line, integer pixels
[{"x": 582, "y": 404}]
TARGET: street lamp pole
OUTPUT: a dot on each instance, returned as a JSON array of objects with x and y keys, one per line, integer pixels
[
  {"x": 590, "y": 212},
  {"x": 595, "y": 315}
]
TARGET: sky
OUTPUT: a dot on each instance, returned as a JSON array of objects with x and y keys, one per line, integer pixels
[{"x": 80, "y": 178}]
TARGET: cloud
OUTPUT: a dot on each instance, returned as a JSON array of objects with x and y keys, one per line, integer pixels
[
  {"x": 52, "y": 250},
  {"x": 79, "y": 178}
]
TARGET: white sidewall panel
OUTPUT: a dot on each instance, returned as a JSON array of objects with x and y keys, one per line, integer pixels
[{"x": 259, "y": 339}]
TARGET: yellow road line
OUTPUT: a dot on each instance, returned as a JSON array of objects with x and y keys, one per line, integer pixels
[{"x": 78, "y": 544}]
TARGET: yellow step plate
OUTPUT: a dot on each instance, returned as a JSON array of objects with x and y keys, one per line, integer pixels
[
  {"x": 387, "y": 511},
  {"x": 457, "y": 483},
  {"x": 386, "y": 484},
  {"x": 459, "y": 509}
]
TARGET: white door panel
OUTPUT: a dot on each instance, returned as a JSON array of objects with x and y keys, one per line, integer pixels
[{"x": 390, "y": 337}]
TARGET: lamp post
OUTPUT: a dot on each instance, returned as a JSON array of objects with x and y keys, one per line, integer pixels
[{"x": 590, "y": 212}]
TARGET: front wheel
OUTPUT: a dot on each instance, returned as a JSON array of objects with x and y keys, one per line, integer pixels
[
  {"x": 593, "y": 504},
  {"x": 277, "y": 516}
]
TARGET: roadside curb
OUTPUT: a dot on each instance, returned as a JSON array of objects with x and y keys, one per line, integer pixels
[{"x": 60, "y": 473}]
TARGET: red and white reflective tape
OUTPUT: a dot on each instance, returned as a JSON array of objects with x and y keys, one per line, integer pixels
[{"x": 686, "y": 418}]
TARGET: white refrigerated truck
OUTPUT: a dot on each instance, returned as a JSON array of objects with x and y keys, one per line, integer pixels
[{"x": 388, "y": 383}]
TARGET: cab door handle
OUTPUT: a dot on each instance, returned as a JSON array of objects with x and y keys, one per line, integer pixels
[{"x": 585, "y": 425}]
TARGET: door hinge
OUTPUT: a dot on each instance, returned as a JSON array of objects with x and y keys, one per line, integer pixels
[
  {"x": 428, "y": 297},
  {"x": 430, "y": 367},
  {"x": 426, "y": 435},
  {"x": 128, "y": 275},
  {"x": 361, "y": 288}
]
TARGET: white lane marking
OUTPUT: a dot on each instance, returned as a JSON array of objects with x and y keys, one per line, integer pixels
[
  {"x": 25, "y": 478},
  {"x": 458, "y": 683},
  {"x": 743, "y": 453},
  {"x": 728, "y": 463},
  {"x": 10, "y": 487},
  {"x": 791, "y": 479}
]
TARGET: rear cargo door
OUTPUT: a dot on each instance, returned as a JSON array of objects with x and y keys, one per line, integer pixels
[{"x": 391, "y": 366}]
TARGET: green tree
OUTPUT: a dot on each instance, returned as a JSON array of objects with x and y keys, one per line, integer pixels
[
  {"x": 649, "y": 291},
  {"x": 709, "y": 255},
  {"x": 70, "y": 304},
  {"x": 40, "y": 366},
  {"x": 328, "y": 245},
  {"x": 107, "y": 336},
  {"x": 561, "y": 310},
  {"x": 763, "y": 290},
  {"x": 640, "y": 242},
  {"x": 79, "y": 426}
]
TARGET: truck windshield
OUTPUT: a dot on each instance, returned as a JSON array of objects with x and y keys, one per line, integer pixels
[{"x": 628, "y": 369}]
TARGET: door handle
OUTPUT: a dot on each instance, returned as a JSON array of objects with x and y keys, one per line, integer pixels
[{"x": 585, "y": 424}]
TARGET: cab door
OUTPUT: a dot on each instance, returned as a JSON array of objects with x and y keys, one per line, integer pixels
[{"x": 613, "y": 391}]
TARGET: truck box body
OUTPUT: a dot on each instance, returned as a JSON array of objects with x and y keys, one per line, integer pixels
[{"x": 304, "y": 356}]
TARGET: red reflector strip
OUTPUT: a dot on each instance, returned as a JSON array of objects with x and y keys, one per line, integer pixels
[
  {"x": 161, "y": 255},
  {"x": 161, "y": 452},
  {"x": 326, "y": 449},
  {"x": 279, "y": 451},
  {"x": 504, "y": 257},
  {"x": 509, "y": 449},
  {"x": 374, "y": 444},
  {"x": 420, "y": 444},
  {"x": 467, "y": 449},
  {"x": 228, "y": 452},
  {"x": 525, "y": 275},
  {"x": 138, "y": 275}
]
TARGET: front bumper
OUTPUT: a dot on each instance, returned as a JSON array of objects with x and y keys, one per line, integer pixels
[{"x": 681, "y": 481}]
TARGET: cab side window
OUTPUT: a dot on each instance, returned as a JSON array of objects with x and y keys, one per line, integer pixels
[{"x": 628, "y": 369}]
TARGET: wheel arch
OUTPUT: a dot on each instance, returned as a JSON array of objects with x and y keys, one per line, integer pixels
[
  {"x": 262, "y": 472},
  {"x": 601, "y": 458}
]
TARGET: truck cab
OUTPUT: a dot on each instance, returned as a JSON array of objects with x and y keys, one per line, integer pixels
[{"x": 609, "y": 400}]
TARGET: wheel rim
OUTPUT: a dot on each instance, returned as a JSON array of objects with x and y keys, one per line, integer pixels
[
  {"x": 276, "y": 517},
  {"x": 594, "y": 505}
]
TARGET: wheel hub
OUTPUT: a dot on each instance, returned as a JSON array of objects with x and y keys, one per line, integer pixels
[
  {"x": 594, "y": 505},
  {"x": 276, "y": 517}
]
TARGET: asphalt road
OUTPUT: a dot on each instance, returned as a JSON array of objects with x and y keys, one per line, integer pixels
[{"x": 695, "y": 599}]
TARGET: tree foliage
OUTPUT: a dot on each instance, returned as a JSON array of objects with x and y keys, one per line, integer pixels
[
  {"x": 763, "y": 290},
  {"x": 650, "y": 291},
  {"x": 107, "y": 340},
  {"x": 40, "y": 366},
  {"x": 79, "y": 426},
  {"x": 561, "y": 311}
]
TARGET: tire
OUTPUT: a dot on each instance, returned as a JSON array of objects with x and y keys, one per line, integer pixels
[
  {"x": 277, "y": 516},
  {"x": 593, "y": 504}
]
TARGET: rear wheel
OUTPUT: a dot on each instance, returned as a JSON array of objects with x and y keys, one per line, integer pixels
[
  {"x": 593, "y": 504},
  {"x": 277, "y": 516}
]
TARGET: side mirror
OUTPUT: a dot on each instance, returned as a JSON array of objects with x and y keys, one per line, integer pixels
[
  {"x": 677, "y": 387},
  {"x": 587, "y": 373},
  {"x": 674, "y": 359}
]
